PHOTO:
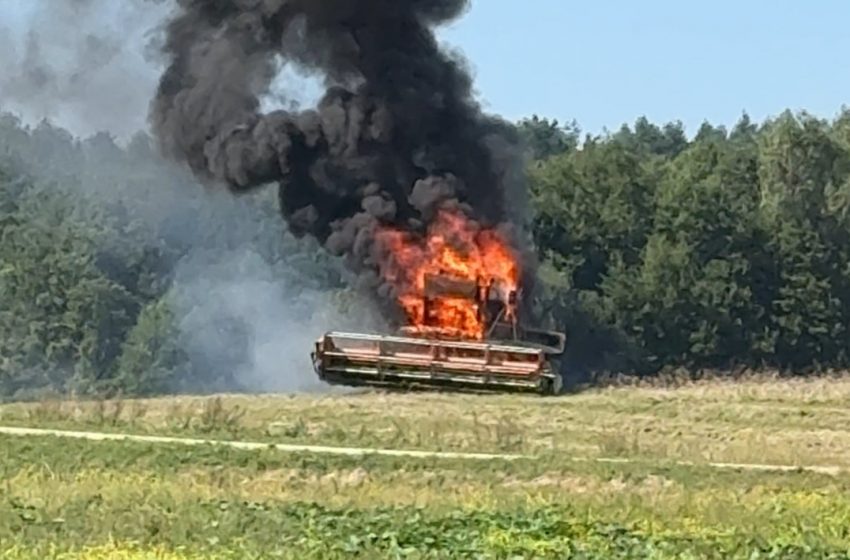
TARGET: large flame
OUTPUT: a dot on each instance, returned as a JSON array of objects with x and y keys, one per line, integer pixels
[{"x": 454, "y": 247}]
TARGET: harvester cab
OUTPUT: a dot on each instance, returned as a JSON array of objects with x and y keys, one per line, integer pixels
[{"x": 502, "y": 355}]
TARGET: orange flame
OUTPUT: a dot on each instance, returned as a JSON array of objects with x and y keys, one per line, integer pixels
[{"x": 457, "y": 248}]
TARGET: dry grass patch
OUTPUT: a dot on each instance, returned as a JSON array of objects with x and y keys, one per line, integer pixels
[{"x": 798, "y": 421}]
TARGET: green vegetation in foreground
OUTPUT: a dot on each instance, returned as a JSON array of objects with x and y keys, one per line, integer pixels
[
  {"x": 74, "y": 499},
  {"x": 247, "y": 530}
]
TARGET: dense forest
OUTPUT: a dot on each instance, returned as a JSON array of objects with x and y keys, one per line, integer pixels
[{"x": 727, "y": 250}]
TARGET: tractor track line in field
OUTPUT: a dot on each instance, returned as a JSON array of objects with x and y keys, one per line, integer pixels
[
  {"x": 255, "y": 446},
  {"x": 365, "y": 451}
]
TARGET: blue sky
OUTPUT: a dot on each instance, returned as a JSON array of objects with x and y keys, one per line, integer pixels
[
  {"x": 610, "y": 61},
  {"x": 607, "y": 62}
]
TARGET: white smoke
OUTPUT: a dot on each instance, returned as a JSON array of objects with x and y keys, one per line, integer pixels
[
  {"x": 258, "y": 321},
  {"x": 85, "y": 65},
  {"x": 93, "y": 66}
]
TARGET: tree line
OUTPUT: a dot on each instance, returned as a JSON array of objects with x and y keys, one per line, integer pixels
[{"x": 726, "y": 250}]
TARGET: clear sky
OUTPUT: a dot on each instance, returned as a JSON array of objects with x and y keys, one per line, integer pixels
[{"x": 606, "y": 62}]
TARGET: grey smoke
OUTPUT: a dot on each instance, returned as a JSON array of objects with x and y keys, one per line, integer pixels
[
  {"x": 93, "y": 65},
  {"x": 88, "y": 65},
  {"x": 240, "y": 313}
]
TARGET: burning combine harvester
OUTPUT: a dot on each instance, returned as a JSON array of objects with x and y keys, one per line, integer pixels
[
  {"x": 395, "y": 145},
  {"x": 459, "y": 291}
]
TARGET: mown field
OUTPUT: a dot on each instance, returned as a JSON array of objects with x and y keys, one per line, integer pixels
[{"x": 63, "y": 498}]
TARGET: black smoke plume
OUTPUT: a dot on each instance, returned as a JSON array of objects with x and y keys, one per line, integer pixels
[{"x": 396, "y": 135}]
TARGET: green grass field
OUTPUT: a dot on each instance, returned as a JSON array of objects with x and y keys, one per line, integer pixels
[{"x": 65, "y": 498}]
